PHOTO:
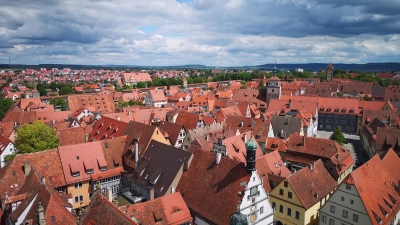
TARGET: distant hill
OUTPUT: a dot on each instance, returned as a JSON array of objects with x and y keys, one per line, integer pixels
[{"x": 321, "y": 66}]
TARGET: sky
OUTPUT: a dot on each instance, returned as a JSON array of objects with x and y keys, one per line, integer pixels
[{"x": 207, "y": 32}]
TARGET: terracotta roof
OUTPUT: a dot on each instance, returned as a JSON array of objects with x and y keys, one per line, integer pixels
[
  {"x": 107, "y": 128},
  {"x": 54, "y": 205},
  {"x": 4, "y": 141},
  {"x": 138, "y": 77},
  {"x": 6, "y": 128},
  {"x": 73, "y": 160},
  {"x": 140, "y": 131},
  {"x": 312, "y": 185},
  {"x": 374, "y": 185},
  {"x": 113, "y": 150},
  {"x": 20, "y": 117},
  {"x": 188, "y": 120},
  {"x": 158, "y": 95},
  {"x": 391, "y": 161},
  {"x": 205, "y": 184},
  {"x": 52, "y": 117},
  {"x": 101, "y": 212},
  {"x": 101, "y": 103},
  {"x": 169, "y": 209},
  {"x": 173, "y": 130},
  {"x": 47, "y": 163},
  {"x": 236, "y": 149},
  {"x": 74, "y": 135},
  {"x": 275, "y": 144}
]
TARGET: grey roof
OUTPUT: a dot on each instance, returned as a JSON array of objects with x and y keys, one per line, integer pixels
[
  {"x": 159, "y": 166},
  {"x": 378, "y": 91},
  {"x": 396, "y": 104},
  {"x": 283, "y": 127}
]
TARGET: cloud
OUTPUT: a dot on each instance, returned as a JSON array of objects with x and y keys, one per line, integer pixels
[{"x": 225, "y": 33}]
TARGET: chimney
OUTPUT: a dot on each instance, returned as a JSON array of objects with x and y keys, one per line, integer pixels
[
  {"x": 136, "y": 152},
  {"x": 118, "y": 118},
  {"x": 86, "y": 137},
  {"x": 206, "y": 137},
  {"x": 40, "y": 211},
  {"x": 241, "y": 124},
  {"x": 129, "y": 112},
  {"x": 218, "y": 160},
  {"x": 151, "y": 193},
  {"x": 172, "y": 189},
  {"x": 290, "y": 103},
  {"x": 244, "y": 137},
  {"x": 27, "y": 168},
  {"x": 312, "y": 166},
  {"x": 109, "y": 194},
  {"x": 43, "y": 179},
  {"x": 304, "y": 140}
]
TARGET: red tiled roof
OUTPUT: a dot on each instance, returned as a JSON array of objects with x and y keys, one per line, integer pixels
[
  {"x": 206, "y": 183},
  {"x": 391, "y": 161},
  {"x": 312, "y": 185},
  {"x": 102, "y": 212},
  {"x": 374, "y": 185},
  {"x": 74, "y": 135},
  {"x": 169, "y": 209},
  {"x": 101, "y": 103},
  {"x": 47, "y": 163},
  {"x": 73, "y": 157},
  {"x": 107, "y": 128}
]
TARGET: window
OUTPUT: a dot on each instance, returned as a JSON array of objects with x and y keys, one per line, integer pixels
[
  {"x": 323, "y": 218},
  {"x": 351, "y": 201},
  {"x": 297, "y": 216},
  {"x": 345, "y": 214},
  {"x": 348, "y": 187},
  {"x": 289, "y": 195},
  {"x": 261, "y": 210},
  {"x": 90, "y": 171},
  {"x": 78, "y": 185},
  {"x": 281, "y": 208},
  {"x": 332, "y": 209},
  {"x": 103, "y": 168},
  {"x": 79, "y": 198},
  {"x": 75, "y": 174},
  {"x": 281, "y": 192},
  {"x": 273, "y": 205},
  {"x": 355, "y": 217},
  {"x": 289, "y": 211},
  {"x": 342, "y": 198},
  {"x": 331, "y": 221},
  {"x": 285, "y": 183}
]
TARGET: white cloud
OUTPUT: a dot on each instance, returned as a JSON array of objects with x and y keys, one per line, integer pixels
[{"x": 225, "y": 33}]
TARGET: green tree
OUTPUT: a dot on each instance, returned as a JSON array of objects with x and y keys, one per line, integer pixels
[
  {"x": 261, "y": 85},
  {"x": 35, "y": 137},
  {"x": 66, "y": 90},
  {"x": 59, "y": 102},
  {"x": 140, "y": 84},
  {"x": 338, "y": 136},
  {"x": 5, "y": 104}
]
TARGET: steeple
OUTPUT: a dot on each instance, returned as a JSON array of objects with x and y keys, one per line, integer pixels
[{"x": 251, "y": 147}]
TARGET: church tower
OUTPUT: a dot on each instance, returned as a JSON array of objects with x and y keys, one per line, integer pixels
[
  {"x": 329, "y": 72},
  {"x": 274, "y": 88}
]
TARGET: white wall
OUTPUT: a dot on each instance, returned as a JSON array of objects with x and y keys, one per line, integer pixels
[
  {"x": 7, "y": 151},
  {"x": 249, "y": 207}
]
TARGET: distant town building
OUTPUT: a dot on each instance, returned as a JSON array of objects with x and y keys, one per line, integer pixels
[{"x": 329, "y": 72}]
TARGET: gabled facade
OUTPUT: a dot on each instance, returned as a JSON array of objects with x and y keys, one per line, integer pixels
[
  {"x": 298, "y": 197},
  {"x": 6, "y": 148},
  {"x": 367, "y": 196}
]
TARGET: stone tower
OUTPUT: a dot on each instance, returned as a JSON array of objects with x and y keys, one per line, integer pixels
[
  {"x": 274, "y": 88},
  {"x": 329, "y": 72}
]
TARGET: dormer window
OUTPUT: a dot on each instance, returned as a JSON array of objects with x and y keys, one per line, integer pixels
[
  {"x": 89, "y": 171},
  {"x": 322, "y": 109},
  {"x": 147, "y": 176},
  {"x": 329, "y": 110},
  {"x": 392, "y": 199},
  {"x": 344, "y": 110},
  {"x": 383, "y": 211},
  {"x": 337, "y": 110},
  {"x": 103, "y": 168},
  {"x": 76, "y": 174},
  {"x": 351, "y": 111}
]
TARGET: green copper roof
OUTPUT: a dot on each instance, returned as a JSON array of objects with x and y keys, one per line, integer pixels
[
  {"x": 251, "y": 144},
  {"x": 238, "y": 219}
]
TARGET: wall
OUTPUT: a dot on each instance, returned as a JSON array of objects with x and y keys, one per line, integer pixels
[
  {"x": 84, "y": 190},
  {"x": 248, "y": 207},
  {"x": 336, "y": 201},
  {"x": 294, "y": 204},
  {"x": 328, "y": 121},
  {"x": 7, "y": 151}
]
